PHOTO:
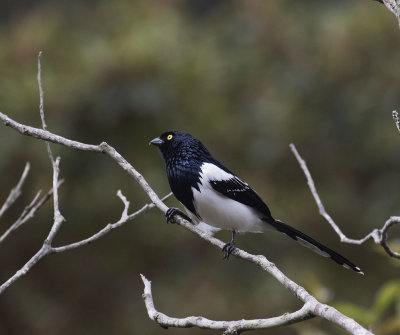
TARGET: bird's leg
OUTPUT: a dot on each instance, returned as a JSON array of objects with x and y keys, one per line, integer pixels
[
  {"x": 171, "y": 212},
  {"x": 230, "y": 246}
]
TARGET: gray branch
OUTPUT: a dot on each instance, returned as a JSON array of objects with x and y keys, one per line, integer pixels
[
  {"x": 16, "y": 191},
  {"x": 125, "y": 217},
  {"x": 102, "y": 148},
  {"x": 396, "y": 119},
  {"x": 394, "y": 7},
  {"x": 28, "y": 213},
  {"x": 379, "y": 236},
  {"x": 229, "y": 327},
  {"x": 316, "y": 308}
]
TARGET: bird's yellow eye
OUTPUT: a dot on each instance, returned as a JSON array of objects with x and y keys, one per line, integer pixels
[{"x": 169, "y": 137}]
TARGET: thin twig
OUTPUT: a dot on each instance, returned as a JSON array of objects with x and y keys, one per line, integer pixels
[
  {"x": 39, "y": 80},
  {"x": 19, "y": 221},
  {"x": 396, "y": 119},
  {"x": 379, "y": 236},
  {"x": 58, "y": 218},
  {"x": 384, "y": 235},
  {"x": 41, "y": 105},
  {"x": 229, "y": 327},
  {"x": 125, "y": 217},
  {"x": 16, "y": 191},
  {"x": 28, "y": 212}
]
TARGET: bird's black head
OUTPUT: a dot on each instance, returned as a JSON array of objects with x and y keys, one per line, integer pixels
[{"x": 180, "y": 146}]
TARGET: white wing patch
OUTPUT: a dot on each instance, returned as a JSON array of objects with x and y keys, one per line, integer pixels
[
  {"x": 210, "y": 171},
  {"x": 220, "y": 211}
]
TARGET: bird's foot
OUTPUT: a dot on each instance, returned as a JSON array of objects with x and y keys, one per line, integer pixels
[
  {"x": 228, "y": 249},
  {"x": 171, "y": 212}
]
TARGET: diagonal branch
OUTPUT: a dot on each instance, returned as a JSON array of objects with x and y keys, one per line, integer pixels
[
  {"x": 229, "y": 327},
  {"x": 101, "y": 148},
  {"x": 396, "y": 119},
  {"x": 16, "y": 191},
  {"x": 394, "y": 7},
  {"x": 28, "y": 213},
  {"x": 379, "y": 236}
]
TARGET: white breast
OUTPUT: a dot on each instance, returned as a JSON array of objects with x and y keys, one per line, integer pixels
[{"x": 220, "y": 211}]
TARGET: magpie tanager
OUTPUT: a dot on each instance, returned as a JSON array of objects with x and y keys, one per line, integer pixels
[{"x": 214, "y": 196}]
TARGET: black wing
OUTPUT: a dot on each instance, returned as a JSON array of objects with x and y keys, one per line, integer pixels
[
  {"x": 181, "y": 180},
  {"x": 238, "y": 190}
]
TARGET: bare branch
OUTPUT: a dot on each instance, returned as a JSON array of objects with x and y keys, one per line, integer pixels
[
  {"x": 102, "y": 147},
  {"x": 384, "y": 235},
  {"x": 394, "y": 7},
  {"x": 39, "y": 80},
  {"x": 48, "y": 136},
  {"x": 44, "y": 250},
  {"x": 317, "y": 308},
  {"x": 29, "y": 212},
  {"x": 396, "y": 119},
  {"x": 58, "y": 218},
  {"x": 41, "y": 105},
  {"x": 16, "y": 191},
  {"x": 379, "y": 236},
  {"x": 229, "y": 327},
  {"x": 125, "y": 217},
  {"x": 19, "y": 221}
]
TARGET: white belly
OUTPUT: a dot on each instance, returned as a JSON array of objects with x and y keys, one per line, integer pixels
[{"x": 222, "y": 212}]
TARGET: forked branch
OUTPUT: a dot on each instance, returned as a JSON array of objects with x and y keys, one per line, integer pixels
[
  {"x": 229, "y": 327},
  {"x": 379, "y": 236}
]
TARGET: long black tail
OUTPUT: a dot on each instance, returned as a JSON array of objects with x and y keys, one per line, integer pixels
[{"x": 309, "y": 242}]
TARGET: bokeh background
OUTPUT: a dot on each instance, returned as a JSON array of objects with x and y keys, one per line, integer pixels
[{"x": 247, "y": 78}]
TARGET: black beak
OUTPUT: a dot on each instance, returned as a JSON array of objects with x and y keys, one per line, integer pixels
[{"x": 157, "y": 141}]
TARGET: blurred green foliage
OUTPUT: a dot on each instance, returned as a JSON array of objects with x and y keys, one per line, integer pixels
[
  {"x": 386, "y": 305},
  {"x": 247, "y": 78}
]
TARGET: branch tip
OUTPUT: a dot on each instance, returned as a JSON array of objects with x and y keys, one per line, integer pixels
[{"x": 378, "y": 236}]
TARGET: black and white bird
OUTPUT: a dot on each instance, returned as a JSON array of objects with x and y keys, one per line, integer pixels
[{"x": 214, "y": 195}]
